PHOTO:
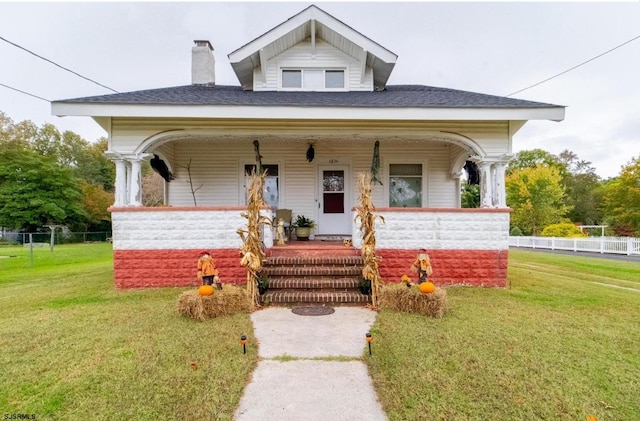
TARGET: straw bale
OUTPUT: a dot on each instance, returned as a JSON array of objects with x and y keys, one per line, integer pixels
[
  {"x": 411, "y": 300},
  {"x": 229, "y": 301}
]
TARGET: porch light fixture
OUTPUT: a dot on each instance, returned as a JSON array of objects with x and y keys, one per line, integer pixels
[
  {"x": 369, "y": 339},
  {"x": 243, "y": 341}
]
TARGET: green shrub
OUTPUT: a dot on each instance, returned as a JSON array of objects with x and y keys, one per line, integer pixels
[
  {"x": 566, "y": 229},
  {"x": 516, "y": 232}
]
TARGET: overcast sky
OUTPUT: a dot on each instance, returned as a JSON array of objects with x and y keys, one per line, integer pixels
[{"x": 492, "y": 48}]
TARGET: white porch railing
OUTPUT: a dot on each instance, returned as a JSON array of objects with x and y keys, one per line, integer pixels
[{"x": 613, "y": 245}]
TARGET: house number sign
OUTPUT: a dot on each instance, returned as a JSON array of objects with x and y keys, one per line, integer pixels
[{"x": 333, "y": 161}]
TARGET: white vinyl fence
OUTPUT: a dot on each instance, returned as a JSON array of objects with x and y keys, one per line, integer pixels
[{"x": 614, "y": 245}]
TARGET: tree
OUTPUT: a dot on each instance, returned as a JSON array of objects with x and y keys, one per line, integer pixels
[
  {"x": 470, "y": 196},
  {"x": 152, "y": 189},
  {"x": 91, "y": 173},
  {"x": 622, "y": 199},
  {"x": 96, "y": 201},
  {"x": 35, "y": 191},
  {"x": 534, "y": 157},
  {"x": 583, "y": 189},
  {"x": 536, "y": 196}
]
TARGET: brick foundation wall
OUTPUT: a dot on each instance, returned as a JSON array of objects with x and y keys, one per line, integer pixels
[
  {"x": 171, "y": 268},
  {"x": 450, "y": 267}
]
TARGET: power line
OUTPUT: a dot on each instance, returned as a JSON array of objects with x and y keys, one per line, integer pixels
[
  {"x": 23, "y": 92},
  {"x": 56, "y": 64},
  {"x": 575, "y": 67}
]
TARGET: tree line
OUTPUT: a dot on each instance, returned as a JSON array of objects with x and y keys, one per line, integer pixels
[
  {"x": 545, "y": 190},
  {"x": 53, "y": 178}
]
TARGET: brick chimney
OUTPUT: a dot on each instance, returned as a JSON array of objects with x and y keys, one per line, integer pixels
[{"x": 203, "y": 64}]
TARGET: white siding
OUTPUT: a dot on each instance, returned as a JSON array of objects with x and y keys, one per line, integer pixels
[
  {"x": 214, "y": 174},
  {"x": 325, "y": 56}
]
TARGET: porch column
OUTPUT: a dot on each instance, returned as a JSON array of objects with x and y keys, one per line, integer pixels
[
  {"x": 135, "y": 186},
  {"x": 121, "y": 178},
  {"x": 500, "y": 193},
  {"x": 127, "y": 164},
  {"x": 121, "y": 183},
  {"x": 486, "y": 193},
  {"x": 458, "y": 192}
]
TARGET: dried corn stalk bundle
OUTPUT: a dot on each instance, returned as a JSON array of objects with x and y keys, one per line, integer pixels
[
  {"x": 252, "y": 250},
  {"x": 367, "y": 216}
]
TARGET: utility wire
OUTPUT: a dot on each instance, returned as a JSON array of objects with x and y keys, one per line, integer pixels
[
  {"x": 56, "y": 64},
  {"x": 575, "y": 67},
  {"x": 23, "y": 92}
]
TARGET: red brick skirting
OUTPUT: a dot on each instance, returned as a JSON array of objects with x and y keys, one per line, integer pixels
[
  {"x": 450, "y": 267},
  {"x": 164, "y": 268}
]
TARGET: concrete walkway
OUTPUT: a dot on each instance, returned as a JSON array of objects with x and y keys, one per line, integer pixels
[{"x": 297, "y": 387}]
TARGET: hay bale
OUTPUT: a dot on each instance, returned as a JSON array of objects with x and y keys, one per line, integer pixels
[
  {"x": 229, "y": 301},
  {"x": 411, "y": 300}
]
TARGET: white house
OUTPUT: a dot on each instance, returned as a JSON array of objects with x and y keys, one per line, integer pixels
[{"x": 312, "y": 81}]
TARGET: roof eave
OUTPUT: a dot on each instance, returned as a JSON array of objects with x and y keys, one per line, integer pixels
[{"x": 61, "y": 108}]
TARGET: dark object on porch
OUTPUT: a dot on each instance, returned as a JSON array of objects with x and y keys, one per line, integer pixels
[
  {"x": 311, "y": 153},
  {"x": 256, "y": 149},
  {"x": 473, "y": 175},
  {"x": 313, "y": 311},
  {"x": 375, "y": 164},
  {"x": 161, "y": 168}
]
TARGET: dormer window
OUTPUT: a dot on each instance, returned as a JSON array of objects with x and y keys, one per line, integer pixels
[{"x": 313, "y": 79}]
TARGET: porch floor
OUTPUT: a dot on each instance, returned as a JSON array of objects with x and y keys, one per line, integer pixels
[{"x": 311, "y": 248}]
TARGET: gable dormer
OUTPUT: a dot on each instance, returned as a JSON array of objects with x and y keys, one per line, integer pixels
[{"x": 312, "y": 51}]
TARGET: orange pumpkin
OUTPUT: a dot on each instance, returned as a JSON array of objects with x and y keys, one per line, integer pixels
[
  {"x": 205, "y": 290},
  {"x": 427, "y": 287}
]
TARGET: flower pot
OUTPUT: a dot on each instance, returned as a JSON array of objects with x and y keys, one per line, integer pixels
[{"x": 302, "y": 233}]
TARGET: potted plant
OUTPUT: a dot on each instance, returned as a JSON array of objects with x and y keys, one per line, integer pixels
[
  {"x": 365, "y": 286},
  {"x": 263, "y": 284},
  {"x": 303, "y": 226}
]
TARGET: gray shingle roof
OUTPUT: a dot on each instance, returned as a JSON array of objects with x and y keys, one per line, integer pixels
[{"x": 394, "y": 96}]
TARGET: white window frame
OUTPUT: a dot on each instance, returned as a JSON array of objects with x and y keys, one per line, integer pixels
[
  {"x": 406, "y": 160},
  {"x": 282, "y": 69}
]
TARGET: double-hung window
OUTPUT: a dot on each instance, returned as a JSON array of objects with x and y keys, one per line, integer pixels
[
  {"x": 405, "y": 185},
  {"x": 313, "y": 79},
  {"x": 271, "y": 185}
]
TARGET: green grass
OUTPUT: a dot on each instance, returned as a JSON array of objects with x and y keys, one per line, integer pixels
[
  {"x": 556, "y": 345},
  {"x": 552, "y": 346},
  {"x": 74, "y": 347}
]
